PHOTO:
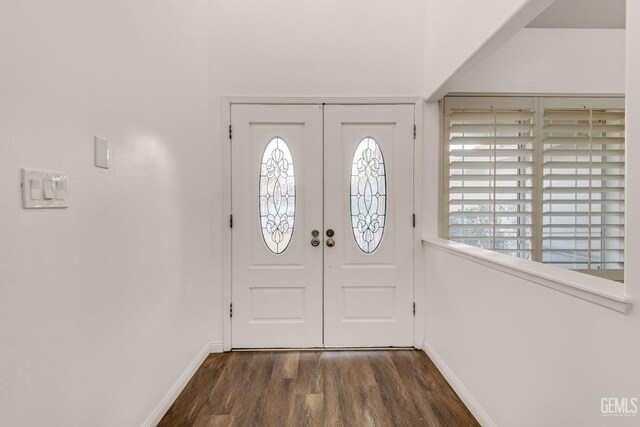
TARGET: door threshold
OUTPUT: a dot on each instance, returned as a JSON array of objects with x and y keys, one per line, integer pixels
[{"x": 283, "y": 349}]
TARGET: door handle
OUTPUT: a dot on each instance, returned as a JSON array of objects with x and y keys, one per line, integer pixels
[{"x": 330, "y": 242}]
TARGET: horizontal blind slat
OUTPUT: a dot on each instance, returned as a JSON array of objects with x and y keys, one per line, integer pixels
[
  {"x": 488, "y": 177},
  {"x": 490, "y": 128},
  {"x": 578, "y": 202},
  {"x": 488, "y": 152},
  {"x": 583, "y": 140},
  {"x": 583, "y": 128},
  {"x": 583, "y": 165},
  {"x": 582, "y": 115},
  {"x": 582, "y": 152},
  {"x": 490, "y": 165},
  {"x": 489, "y": 214},
  {"x": 556, "y": 226},
  {"x": 583, "y": 239},
  {"x": 579, "y": 177},
  {"x": 489, "y": 116},
  {"x": 514, "y": 226},
  {"x": 473, "y": 202},
  {"x": 498, "y": 190},
  {"x": 582, "y": 214},
  {"x": 490, "y": 140},
  {"x": 581, "y": 190}
]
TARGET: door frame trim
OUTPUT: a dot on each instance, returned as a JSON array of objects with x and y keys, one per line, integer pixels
[{"x": 418, "y": 283}]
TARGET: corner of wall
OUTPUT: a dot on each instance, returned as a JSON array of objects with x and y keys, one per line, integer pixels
[{"x": 159, "y": 411}]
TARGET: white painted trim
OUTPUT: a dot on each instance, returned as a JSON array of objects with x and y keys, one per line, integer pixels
[
  {"x": 470, "y": 402},
  {"x": 418, "y": 281},
  {"x": 321, "y": 100},
  {"x": 227, "y": 101},
  {"x": 216, "y": 347},
  {"x": 599, "y": 291},
  {"x": 156, "y": 415},
  {"x": 226, "y": 229},
  {"x": 530, "y": 94}
]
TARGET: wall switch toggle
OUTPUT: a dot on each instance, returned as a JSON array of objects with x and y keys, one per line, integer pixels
[
  {"x": 35, "y": 189},
  {"x": 48, "y": 188},
  {"x": 61, "y": 189}
]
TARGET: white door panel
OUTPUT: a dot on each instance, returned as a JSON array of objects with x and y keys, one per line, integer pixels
[
  {"x": 369, "y": 296},
  {"x": 277, "y": 297}
]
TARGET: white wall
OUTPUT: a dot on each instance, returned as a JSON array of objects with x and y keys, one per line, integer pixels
[
  {"x": 535, "y": 60},
  {"x": 461, "y": 33},
  {"x": 326, "y": 48},
  {"x": 103, "y": 305},
  {"x": 310, "y": 48},
  {"x": 106, "y": 303},
  {"x": 532, "y": 356}
]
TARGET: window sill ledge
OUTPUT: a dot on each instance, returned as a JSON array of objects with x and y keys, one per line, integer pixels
[{"x": 599, "y": 291}]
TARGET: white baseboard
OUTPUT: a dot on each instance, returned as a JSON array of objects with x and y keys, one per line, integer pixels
[
  {"x": 154, "y": 418},
  {"x": 471, "y": 403},
  {"x": 216, "y": 347}
]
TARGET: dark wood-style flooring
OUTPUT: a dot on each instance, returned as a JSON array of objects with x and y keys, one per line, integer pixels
[{"x": 318, "y": 388}]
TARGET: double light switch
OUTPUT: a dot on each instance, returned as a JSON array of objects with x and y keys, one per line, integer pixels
[{"x": 42, "y": 189}]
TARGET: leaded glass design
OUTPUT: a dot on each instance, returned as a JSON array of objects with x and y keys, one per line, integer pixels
[
  {"x": 368, "y": 195},
  {"x": 277, "y": 196}
]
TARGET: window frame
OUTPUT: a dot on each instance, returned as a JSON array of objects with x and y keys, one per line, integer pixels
[{"x": 537, "y": 103}]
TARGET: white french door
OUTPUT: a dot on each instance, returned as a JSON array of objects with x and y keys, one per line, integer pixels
[
  {"x": 368, "y": 203},
  {"x": 276, "y": 201},
  {"x": 322, "y": 236}
]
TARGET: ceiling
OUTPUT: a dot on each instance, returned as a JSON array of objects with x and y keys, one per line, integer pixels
[{"x": 582, "y": 14}]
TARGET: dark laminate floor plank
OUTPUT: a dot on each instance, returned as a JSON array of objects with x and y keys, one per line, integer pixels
[
  {"x": 309, "y": 375},
  {"x": 359, "y": 375},
  {"x": 277, "y": 405},
  {"x": 286, "y": 365},
  {"x": 330, "y": 390},
  {"x": 316, "y": 388},
  {"x": 249, "y": 402},
  {"x": 197, "y": 392},
  {"x": 229, "y": 386},
  {"x": 352, "y": 411},
  {"x": 414, "y": 377},
  {"x": 441, "y": 396},
  {"x": 395, "y": 395},
  {"x": 312, "y": 409},
  {"x": 375, "y": 411},
  {"x": 214, "y": 421}
]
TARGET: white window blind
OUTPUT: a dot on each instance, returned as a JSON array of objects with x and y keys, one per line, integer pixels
[
  {"x": 491, "y": 178},
  {"x": 537, "y": 178},
  {"x": 583, "y": 225}
]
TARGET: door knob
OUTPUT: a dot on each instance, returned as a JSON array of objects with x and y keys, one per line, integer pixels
[
  {"x": 315, "y": 233},
  {"x": 330, "y": 232},
  {"x": 330, "y": 242}
]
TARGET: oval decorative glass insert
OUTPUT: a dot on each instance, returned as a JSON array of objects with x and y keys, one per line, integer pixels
[
  {"x": 277, "y": 196},
  {"x": 368, "y": 195}
]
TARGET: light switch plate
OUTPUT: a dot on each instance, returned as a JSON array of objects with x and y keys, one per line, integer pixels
[
  {"x": 102, "y": 152},
  {"x": 36, "y": 183}
]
